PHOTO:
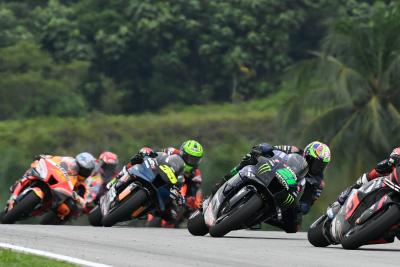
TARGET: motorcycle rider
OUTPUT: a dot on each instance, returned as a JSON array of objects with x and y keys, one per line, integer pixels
[
  {"x": 317, "y": 156},
  {"x": 175, "y": 162},
  {"x": 383, "y": 168},
  {"x": 104, "y": 172},
  {"x": 78, "y": 169},
  {"x": 190, "y": 180},
  {"x": 191, "y": 152}
]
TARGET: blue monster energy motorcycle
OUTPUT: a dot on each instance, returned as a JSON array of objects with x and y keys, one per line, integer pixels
[
  {"x": 250, "y": 197},
  {"x": 146, "y": 187}
]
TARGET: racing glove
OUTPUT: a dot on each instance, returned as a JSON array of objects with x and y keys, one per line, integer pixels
[
  {"x": 176, "y": 196},
  {"x": 262, "y": 149},
  {"x": 248, "y": 159},
  {"x": 394, "y": 157},
  {"x": 137, "y": 159}
]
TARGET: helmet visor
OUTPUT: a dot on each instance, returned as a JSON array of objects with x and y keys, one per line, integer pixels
[
  {"x": 85, "y": 172},
  {"x": 316, "y": 166},
  {"x": 108, "y": 171},
  {"x": 191, "y": 160}
]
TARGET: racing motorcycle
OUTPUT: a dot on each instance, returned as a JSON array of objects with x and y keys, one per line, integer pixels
[
  {"x": 250, "y": 197},
  {"x": 44, "y": 186},
  {"x": 371, "y": 214},
  {"x": 149, "y": 189},
  {"x": 63, "y": 211}
]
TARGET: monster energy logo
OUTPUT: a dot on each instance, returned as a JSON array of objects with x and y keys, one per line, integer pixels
[
  {"x": 264, "y": 168},
  {"x": 288, "y": 175},
  {"x": 289, "y": 200}
]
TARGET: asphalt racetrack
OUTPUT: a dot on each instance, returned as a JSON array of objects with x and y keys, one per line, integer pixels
[{"x": 127, "y": 246}]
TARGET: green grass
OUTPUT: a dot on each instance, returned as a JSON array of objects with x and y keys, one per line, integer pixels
[{"x": 10, "y": 258}]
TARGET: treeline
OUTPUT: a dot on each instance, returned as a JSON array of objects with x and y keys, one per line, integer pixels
[{"x": 67, "y": 58}]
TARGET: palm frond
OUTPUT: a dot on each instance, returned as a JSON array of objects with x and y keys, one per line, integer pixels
[{"x": 326, "y": 126}]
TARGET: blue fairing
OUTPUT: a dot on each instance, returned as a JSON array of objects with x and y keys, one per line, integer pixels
[
  {"x": 142, "y": 171},
  {"x": 145, "y": 172}
]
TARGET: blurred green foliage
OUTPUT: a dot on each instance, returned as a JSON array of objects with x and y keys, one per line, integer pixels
[{"x": 132, "y": 56}]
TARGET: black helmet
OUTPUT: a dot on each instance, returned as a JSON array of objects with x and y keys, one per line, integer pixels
[
  {"x": 298, "y": 164},
  {"x": 86, "y": 163}
]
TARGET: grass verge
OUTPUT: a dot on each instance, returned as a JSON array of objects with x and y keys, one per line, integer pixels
[{"x": 10, "y": 258}]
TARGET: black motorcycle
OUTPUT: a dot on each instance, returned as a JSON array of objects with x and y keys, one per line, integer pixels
[
  {"x": 148, "y": 189},
  {"x": 371, "y": 214},
  {"x": 250, "y": 197}
]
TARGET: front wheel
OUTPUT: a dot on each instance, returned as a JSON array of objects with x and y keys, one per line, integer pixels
[
  {"x": 95, "y": 216},
  {"x": 316, "y": 235},
  {"x": 237, "y": 217},
  {"x": 372, "y": 229},
  {"x": 196, "y": 224},
  {"x": 125, "y": 209},
  {"x": 51, "y": 218},
  {"x": 22, "y": 208}
]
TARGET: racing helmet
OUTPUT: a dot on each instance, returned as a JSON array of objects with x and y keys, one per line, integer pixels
[
  {"x": 191, "y": 152},
  {"x": 86, "y": 163},
  {"x": 108, "y": 163},
  {"x": 146, "y": 151},
  {"x": 318, "y": 156}
]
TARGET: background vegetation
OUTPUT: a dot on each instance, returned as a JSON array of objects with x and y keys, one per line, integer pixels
[{"x": 96, "y": 74}]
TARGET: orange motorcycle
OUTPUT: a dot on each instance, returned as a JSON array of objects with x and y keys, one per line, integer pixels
[{"x": 46, "y": 186}]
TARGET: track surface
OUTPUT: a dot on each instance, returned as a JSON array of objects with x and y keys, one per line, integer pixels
[{"x": 123, "y": 246}]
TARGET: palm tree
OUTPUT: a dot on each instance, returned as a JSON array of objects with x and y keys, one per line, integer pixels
[{"x": 349, "y": 92}]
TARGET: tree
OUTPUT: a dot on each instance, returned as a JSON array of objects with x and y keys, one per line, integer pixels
[
  {"x": 351, "y": 88},
  {"x": 31, "y": 84}
]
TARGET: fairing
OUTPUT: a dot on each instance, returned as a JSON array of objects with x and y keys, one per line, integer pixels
[
  {"x": 359, "y": 207},
  {"x": 249, "y": 180}
]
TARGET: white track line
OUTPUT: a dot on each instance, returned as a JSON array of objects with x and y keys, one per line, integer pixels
[{"x": 53, "y": 255}]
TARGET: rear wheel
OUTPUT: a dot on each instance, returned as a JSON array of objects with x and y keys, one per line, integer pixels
[
  {"x": 196, "y": 224},
  {"x": 237, "y": 217},
  {"x": 22, "y": 208},
  {"x": 124, "y": 210},
  {"x": 95, "y": 216},
  {"x": 51, "y": 218},
  {"x": 316, "y": 235},
  {"x": 372, "y": 229}
]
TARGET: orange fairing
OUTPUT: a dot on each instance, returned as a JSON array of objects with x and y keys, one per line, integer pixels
[
  {"x": 137, "y": 212},
  {"x": 63, "y": 210},
  {"x": 38, "y": 192},
  {"x": 124, "y": 193},
  {"x": 54, "y": 175}
]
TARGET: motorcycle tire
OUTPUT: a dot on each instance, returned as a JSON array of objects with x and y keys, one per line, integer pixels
[
  {"x": 156, "y": 222},
  {"x": 238, "y": 217},
  {"x": 196, "y": 224},
  {"x": 95, "y": 217},
  {"x": 316, "y": 236},
  {"x": 25, "y": 206},
  {"x": 125, "y": 209},
  {"x": 372, "y": 229},
  {"x": 51, "y": 218}
]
